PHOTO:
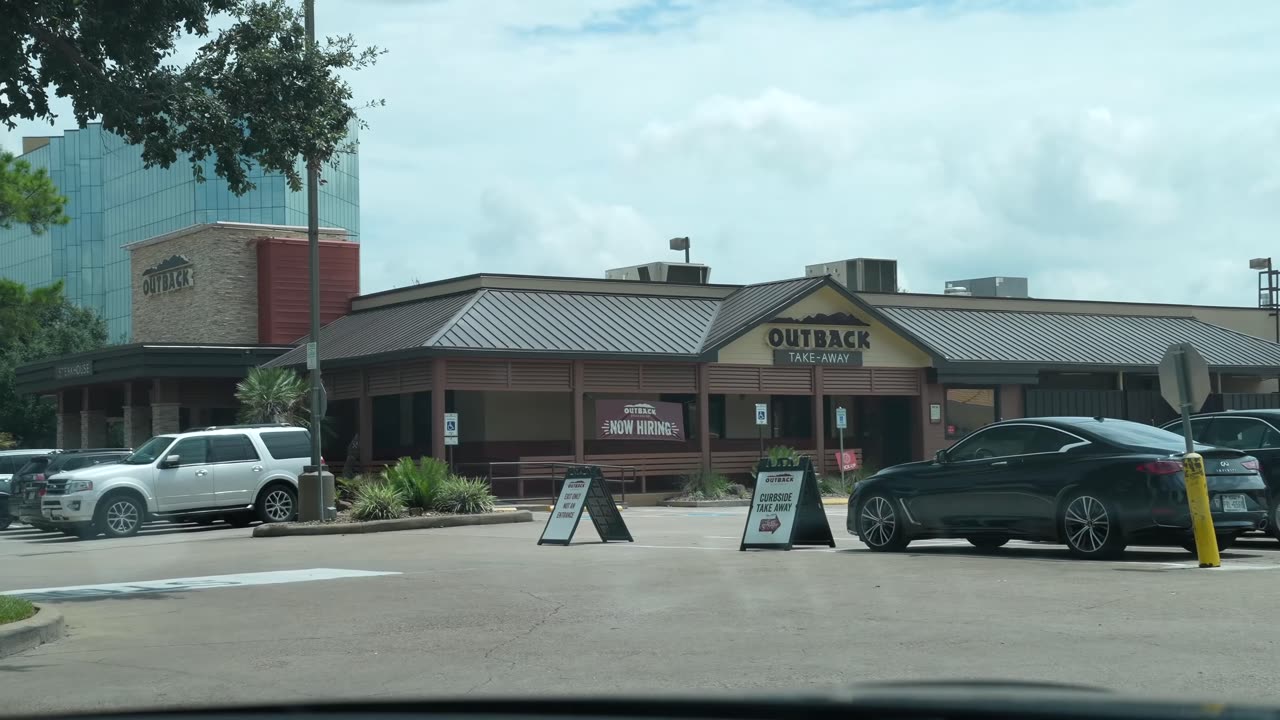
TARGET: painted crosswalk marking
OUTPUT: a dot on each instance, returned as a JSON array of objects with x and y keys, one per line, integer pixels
[{"x": 207, "y": 582}]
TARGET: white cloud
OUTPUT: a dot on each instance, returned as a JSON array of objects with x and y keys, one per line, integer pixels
[
  {"x": 1100, "y": 148},
  {"x": 773, "y": 132}
]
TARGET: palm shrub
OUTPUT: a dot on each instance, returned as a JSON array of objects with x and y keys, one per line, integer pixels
[
  {"x": 835, "y": 485},
  {"x": 464, "y": 496},
  {"x": 273, "y": 395},
  {"x": 377, "y": 501},
  {"x": 782, "y": 452},
  {"x": 706, "y": 486},
  {"x": 417, "y": 482},
  {"x": 348, "y": 486}
]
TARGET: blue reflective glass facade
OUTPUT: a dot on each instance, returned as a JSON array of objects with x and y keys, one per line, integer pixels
[{"x": 113, "y": 200}]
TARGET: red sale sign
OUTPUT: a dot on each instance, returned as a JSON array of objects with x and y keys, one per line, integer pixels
[{"x": 847, "y": 460}]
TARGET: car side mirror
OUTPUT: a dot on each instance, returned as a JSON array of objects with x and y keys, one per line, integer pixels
[
  {"x": 170, "y": 462},
  {"x": 940, "y": 457}
]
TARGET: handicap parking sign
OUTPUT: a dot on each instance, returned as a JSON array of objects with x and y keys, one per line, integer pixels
[{"x": 451, "y": 424}]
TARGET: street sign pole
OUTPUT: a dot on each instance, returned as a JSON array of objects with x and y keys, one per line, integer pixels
[
  {"x": 1184, "y": 384},
  {"x": 1184, "y": 399},
  {"x": 842, "y": 421},
  {"x": 762, "y": 419}
]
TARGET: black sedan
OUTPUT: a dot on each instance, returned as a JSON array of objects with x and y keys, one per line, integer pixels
[{"x": 1095, "y": 484}]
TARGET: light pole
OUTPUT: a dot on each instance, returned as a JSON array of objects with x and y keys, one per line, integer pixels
[
  {"x": 1268, "y": 295},
  {"x": 313, "y": 242},
  {"x": 681, "y": 243}
]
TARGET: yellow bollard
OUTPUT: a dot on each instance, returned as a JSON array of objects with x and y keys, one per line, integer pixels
[{"x": 1201, "y": 518}]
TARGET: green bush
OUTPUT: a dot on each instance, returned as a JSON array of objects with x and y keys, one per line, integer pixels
[
  {"x": 782, "y": 452},
  {"x": 739, "y": 491},
  {"x": 464, "y": 496},
  {"x": 417, "y": 482},
  {"x": 834, "y": 485},
  {"x": 347, "y": 487},
  {"x": 376, "y": 501},
  {"x": 706, "y": 486}
]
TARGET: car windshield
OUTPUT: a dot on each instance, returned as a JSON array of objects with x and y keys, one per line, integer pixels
[
  {"x": 1138, "y": 435},
  {"x": 150, "y": 451},
  {"x": 35, "y": 465}
]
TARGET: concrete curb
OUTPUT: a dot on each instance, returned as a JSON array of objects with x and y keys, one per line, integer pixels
[
  {"x": 705, "y": 503},
  {"x": 45, "y": 626},
  {"x": 835, "y": 501},
  {"x": 540, "y": 508},
  {"x": 409, "y": 523}
]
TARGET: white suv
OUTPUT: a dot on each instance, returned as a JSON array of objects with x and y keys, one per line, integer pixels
[{"x": 237, "y": 473}]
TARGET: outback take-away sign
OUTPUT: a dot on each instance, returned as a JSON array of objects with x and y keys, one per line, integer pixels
[
  {"x": 821, "y": 339},
  {"x": 639, "y": 420}
]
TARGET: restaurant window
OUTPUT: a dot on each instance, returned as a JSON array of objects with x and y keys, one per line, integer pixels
[
  {"x": 717, "y": 413},
  {"x": 792, "y": 416},
  {"x": 688, "y": 411},
  {"x": 969, "y": 409}
]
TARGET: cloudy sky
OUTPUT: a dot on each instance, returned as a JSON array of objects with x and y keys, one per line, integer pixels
[{"x": 1112, "y": 149}]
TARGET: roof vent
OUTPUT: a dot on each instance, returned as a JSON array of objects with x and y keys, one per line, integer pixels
[
  {"x": 860, "y": 274},
  {"x": 663, "y": 272},
  {"x": 999, "y": 286}
]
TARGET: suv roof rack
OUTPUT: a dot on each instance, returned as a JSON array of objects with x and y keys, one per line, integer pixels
[{"x": 243, "y": 427}]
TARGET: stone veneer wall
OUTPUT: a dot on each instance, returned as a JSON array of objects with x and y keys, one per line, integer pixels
[{"x": 221, "y": 306}]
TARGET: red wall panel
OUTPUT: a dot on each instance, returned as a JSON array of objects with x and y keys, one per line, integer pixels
[{"x": 284, "y": 295}]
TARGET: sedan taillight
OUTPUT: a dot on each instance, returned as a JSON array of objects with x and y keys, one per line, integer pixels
[
  {"x": 1249, "y": 464},
  {"x": 39, "y": 477},
  {"x": 1160, "y": 467}
]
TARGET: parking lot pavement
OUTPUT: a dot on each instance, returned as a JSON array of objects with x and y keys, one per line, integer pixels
[{"x": 484, "y": 610}]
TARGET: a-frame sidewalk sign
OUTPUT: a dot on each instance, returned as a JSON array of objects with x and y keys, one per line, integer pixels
[
  {"x": 786, "y": 507},
  {"x": 584, "y": 488}
]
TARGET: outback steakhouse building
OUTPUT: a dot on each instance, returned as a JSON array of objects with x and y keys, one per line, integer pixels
[
  {"x": 547, "y": 369},
  {"x": 663, "y": 377}
]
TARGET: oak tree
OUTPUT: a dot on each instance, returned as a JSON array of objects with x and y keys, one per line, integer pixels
[{"x": 253, "y": 93}]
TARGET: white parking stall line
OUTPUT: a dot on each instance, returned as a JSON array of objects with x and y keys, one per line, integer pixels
[{"x": 207, "y": 582}]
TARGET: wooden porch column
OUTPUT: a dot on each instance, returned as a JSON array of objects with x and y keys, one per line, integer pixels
[
  {"x": 364, "y": 420},
  {"x": 704, "y": 415},
  {"x": 577, "y": 373},
  {"x": 919, "y": 439},
  {"x": 819, "y": 424},
  {"x": 438, "y": 370}
]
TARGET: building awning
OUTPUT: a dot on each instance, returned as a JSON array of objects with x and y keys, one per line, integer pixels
[
  {"x": 120, "y": 363},
  {"x": 985, "y": 343}
]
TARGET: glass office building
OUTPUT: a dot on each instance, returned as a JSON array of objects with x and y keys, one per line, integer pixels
[{"x": 113, "y": 200}]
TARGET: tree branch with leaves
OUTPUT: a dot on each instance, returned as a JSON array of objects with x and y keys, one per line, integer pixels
[{"x": 252, "y": 95}]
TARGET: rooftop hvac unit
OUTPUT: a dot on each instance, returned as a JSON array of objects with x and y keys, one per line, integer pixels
[
  {"x": 957, "y": 290},
  {"x": 860, "y": 274},
  {"x": 664, "y": 272}
]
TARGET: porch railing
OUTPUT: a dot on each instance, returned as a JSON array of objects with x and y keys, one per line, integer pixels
[{"x": 554, "y": 470}]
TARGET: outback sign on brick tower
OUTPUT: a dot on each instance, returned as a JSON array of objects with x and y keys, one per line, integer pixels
[{"x": 176, "y": 273}]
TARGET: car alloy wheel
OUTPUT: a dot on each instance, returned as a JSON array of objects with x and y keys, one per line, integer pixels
[
  {"x": 122, "y": 517},
  {"x": 278, "y": 505},
  {"x": 1087, "y": 524},
  {"x": 878, "y": 522},
  {"x": 1090, "y": 527}
]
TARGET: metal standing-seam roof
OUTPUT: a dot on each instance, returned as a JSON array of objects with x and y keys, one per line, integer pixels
[
  {"x": 560, "y": 322},
  {"x": 1002, "y": 336},
  {"x": 753, "y": 304},
  {"x": 385, "y": 329}
]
